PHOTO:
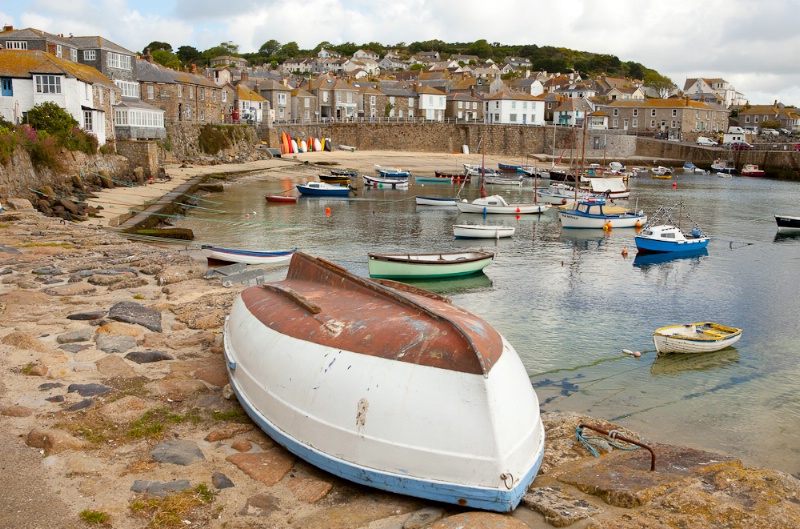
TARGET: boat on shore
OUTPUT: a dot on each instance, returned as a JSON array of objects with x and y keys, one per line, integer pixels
[
  {"x": 787, "y": 222},
  {"x": 590, "y": 213},
  {"x": 219, "y": 254},
  {"x": 497, "y": 204},
  {"x": 323, "y": 189},
  {"x": 702, "y": 337},
  {"x": 722, "y": 167},
  {"x": 392, "y": 172},
  {"x": 385, "y": 385},
  {"x": 482, "y": 231},
  {"x": 380, "y": 181},
  {"x": 334, "y": 179},
  {"x": 478, "y": 170},
  {"x": 435, "y": 201},
  {"x": 664, "y": 173},
  {"x": 430, "y": 265},
  {"x": 281, "y": 199},
  {"x": 662, "y": 234}
]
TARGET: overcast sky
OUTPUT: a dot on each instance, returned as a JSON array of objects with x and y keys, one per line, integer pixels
[{"x": 753, "y": 44}]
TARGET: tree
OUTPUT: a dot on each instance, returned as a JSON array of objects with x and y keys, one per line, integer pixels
[
  {"x": 270, "y": 47},
  {"x": 481, "y": 48},
  {"x": 771, "y": 124},
  {"x": 189, "y": 54},
  {"x": 416, "y": 66},
  {"x": 51, "y": 118},
  {"x": 157, "y": 45},
  {"x": 290, "y": 49},
  {"x": 660, "y": 83},
  {"x": 166, "y": 58}
]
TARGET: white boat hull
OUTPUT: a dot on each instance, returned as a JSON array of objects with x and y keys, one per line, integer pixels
[
  {"x": 250, "y": 258},
  {"x": 511, "y": 209},
  {"x": 571, "y": 220},
  {"x": 411, "y": 266},
  {"x": 398, "y": 426},
  {"x": 689, "y": 339},
  {"x": 472, "y": 231},
  {"x": 434, "y": 201}
]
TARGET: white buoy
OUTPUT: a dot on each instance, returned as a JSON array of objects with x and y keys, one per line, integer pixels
[{"x": 628, "y": 352}]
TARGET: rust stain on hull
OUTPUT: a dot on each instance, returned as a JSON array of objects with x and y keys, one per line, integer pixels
[{"x": 323, "y": 303}]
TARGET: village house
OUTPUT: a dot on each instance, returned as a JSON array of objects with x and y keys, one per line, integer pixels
[
  {"x": 369, "y": 66},
  {"x": 324, "y": 53},
  {"x": 371, "y": 101},
  {"x": 304, "y": 105},
  {"x": 578, "y": 90},
  {"x": 671, "y": 117},
  {"x": 551, "y": 102},
  {"x": 248, "y": 106},
  {"x": 720, "y": 89},
  {"x": 32, "y": 77},
  {"x": 336, "y": 99},
  {"x": 34, "y": 39},
  {"x": 184, "y": 96},
  {"x": 299, "y": 65},
  {"x": 463, "y": 107},
  {"x": 519, "y": 62},
  {"x": 392, "y": 63},
  {"x": 279, "y": 97},
  {"x": 571, "y": 112},
  {"x": 401, "y": 103},
  {"x": 751, "y": 117},
  {"x": 530, "y": 85},
  {"x": 466, "y": 59},
  {"x": 432, "y": 103},
  {"x": 228, "y": 60},
  {"x": 366, "y": 54},
  {"x": 513, "y": 108}
]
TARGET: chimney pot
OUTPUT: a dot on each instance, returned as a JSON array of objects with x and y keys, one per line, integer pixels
[
  {"x": 194, "y": 68},
  {"x": 8, "y": 28}
]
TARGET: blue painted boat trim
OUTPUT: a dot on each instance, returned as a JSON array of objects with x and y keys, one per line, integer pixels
[
  {"x": 472, "y": 497},
  {"x": 345, "y": 191},
  {"x": 644, "y": 244}
]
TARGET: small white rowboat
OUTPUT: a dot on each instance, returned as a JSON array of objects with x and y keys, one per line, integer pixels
[
  {"x": 477, "y": 231},
  {"x": 385, "y": 385},
  {"x": 702, "y": 337}
]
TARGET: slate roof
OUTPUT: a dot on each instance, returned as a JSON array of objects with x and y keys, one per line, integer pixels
[
  {"x": 150, "y": 72},
  {"x": 95, "y": 42},
  {"x": 511, "y": 96},
  {"x": 660, "y": 103},
  {"x": 34, "y": 34}
]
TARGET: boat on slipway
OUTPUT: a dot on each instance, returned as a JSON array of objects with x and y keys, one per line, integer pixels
[
  {"x": 591, "y": 213},
  {"x": 497, "y": 204},
  {"x": 385, "y": 385},
  {"x": 428, "y": 265},
  {"x": 219, "y": 254},
  {"x": 702, "y": 337}
]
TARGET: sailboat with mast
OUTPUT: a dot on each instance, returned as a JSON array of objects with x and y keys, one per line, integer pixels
[{"x": 590, "y": 212}]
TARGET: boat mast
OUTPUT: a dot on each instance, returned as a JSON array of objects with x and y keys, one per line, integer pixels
[
  {"x": 483, "y": 164},
  {"x": 583, "y": 155}
]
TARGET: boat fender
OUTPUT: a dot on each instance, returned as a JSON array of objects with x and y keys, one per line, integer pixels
[{"x": 696, "y": 233}]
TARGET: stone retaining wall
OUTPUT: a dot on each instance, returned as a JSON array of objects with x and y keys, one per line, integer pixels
[
  {"x": 142, "y": 153},
  {"x": 183, "y": 143}
]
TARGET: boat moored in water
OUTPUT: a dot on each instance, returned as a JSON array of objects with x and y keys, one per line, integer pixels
[
  {"x": 482, "y": 231},
  {"x": 219, "y": 254},
  {"x": 448, "y": 264},
  {"x": 323, "y": 189},
  {"x": 787, "y": 222},
  {"x": 664, "y": 235},
  {"x": 435, "y": 201},
  {"x": 281, "y": 199},
  {"x": 591, "y": 213},
  {"x": 750, "y": 169},
  {"x": 380, "y": 181},
  {"x": 702, "y": 337},
  {"x": 497, "y": 204},
  {"x": 385, "y": 385}
]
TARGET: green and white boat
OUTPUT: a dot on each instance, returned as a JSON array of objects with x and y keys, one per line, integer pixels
[{"x": 427, "y": 265}]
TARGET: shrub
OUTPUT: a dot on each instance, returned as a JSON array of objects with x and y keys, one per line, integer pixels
[
  {"x": 51, "y": 118},
  {"x": 43, "y": 150},
  {"x": 8, "y": 142},
  {"x": 212, "y": 139}
]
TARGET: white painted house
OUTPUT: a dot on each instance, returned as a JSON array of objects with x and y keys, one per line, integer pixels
[
  {"x": 432, "y": 103},
  {"x": 513, "y": 108},
  {"x": 29, "y": 78}
]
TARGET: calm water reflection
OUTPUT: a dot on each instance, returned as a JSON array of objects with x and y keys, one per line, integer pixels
[{"x": 569, "y": 301}]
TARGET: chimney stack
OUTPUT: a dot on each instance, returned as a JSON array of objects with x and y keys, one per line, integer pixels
[
  {"x": 147, "y": 56},
  {"x": 194, "y": 68},
  {"x": 7, "y": 28},
  {"x": 245, "y": 76}
]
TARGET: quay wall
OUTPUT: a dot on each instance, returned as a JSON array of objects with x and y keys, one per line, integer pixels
[{"x": 521, "y": 143}]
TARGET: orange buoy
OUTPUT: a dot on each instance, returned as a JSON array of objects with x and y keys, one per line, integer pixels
[
  {"x": 327, "y": 212},
  {"x": 674, "y": 185},
  {"x": 518, "y": 210},
  {"x": 624, "y": 252},
  {"x": 638, "y": 223},
  {"x": 518, "y": 217},
  {"x": 563, "y": 201}
]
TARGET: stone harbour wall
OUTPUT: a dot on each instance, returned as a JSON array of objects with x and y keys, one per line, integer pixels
[
  {"x": 183, "y": 142},
  {"x": 142, "y": 153}
]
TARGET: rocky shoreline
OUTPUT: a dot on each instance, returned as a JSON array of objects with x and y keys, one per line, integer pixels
[{"x": 114, "y": 403}]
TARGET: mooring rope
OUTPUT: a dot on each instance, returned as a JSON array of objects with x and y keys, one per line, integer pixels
[{"x": 592, "y": 441}]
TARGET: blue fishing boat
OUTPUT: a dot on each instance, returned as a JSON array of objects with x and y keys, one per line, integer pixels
[
  {"x": 509, "y": 167},
  {"x": 322, "y": 189},
  {"x": 590, "y": 213},
  {"x": 253, "y": 257},
  {"x": 663, "y": 235},
  {"x": 392, "y": 172}
]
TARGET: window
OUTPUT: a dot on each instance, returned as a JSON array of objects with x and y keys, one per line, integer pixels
[
  {"x": 128, "y": 89},
  {"x": 48, "y": 84},
  {"x": 349, "y": 97},
  {"x": 460, "y": 114},
  {"x": 150, "y": 92},
  {"x": 89, "y": 55},
  {"x": 391, "y": 100},
  {"x": 202, "y": 115},
  {"x": 755, "y": 119},
  {"x": 191, "y": 92},
  {"x": 338, "y": 97},
  {"x": 673, "y": 124},
  {"x": 280, "y": 112},
  {"x": 281, "y": 98},
  {"x": 635, "y": 112},
  {"x": 652, "y": 123},
  {"x": 202, "y": 95},
  {"x": 118, "y": 61},
  {"x": 430, "y": 101},
  {"x": 616, "y": 112},
  {"x": 224, "y": 95},
  {"x": 58, "y": 50},
  {"x": 653, "y": 113},
  {"x": 513, "y": 104},
  {"x": 512, "y": 117},
  {"x": 325, "y": 97},
  {"x": 615, "y": 123},
  {"x": 747, "y": 119},
  {"x": 180, "y": 92},
  {"x": 524, "y": 105},
  {"x": 674, "y": 112},
  {"x": 635, "y": 123},
  {"x": 8, "y": 87},
  {"x": 214, "y": 95},
  {"x": 372, "y": 100},
  {"x": 400, "y": 113},
  {"x": 308, "y": 113},
  {"x": 475, "y": 105},
  {"x": 73, "y": 55},
  {"x": 87, "y": 121},
  {"x": 307, "y": 102},
  {"x": 16, "y": 45},
  {"x": 460, "y": 104}
]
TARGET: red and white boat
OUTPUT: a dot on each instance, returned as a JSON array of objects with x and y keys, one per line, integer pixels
[
  {"x": 750, "y": 169},
  {"x": 281, "y": 199},
  {"x": 385, "y": 385}
]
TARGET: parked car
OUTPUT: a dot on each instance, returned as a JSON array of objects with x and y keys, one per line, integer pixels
[
  {"x": 796, "y": 147},
  {"x": 705, "y": 142},
  {"x": 785, "y": 131},
  {"x": 770, "y": 132},
  {"x": 741, "y": 146}
]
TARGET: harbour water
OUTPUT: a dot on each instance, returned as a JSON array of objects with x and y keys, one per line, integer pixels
[{"x": 570, "y": 302}]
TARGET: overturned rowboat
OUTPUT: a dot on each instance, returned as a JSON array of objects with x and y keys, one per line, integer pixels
[{"x": 385, "y": 385}]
